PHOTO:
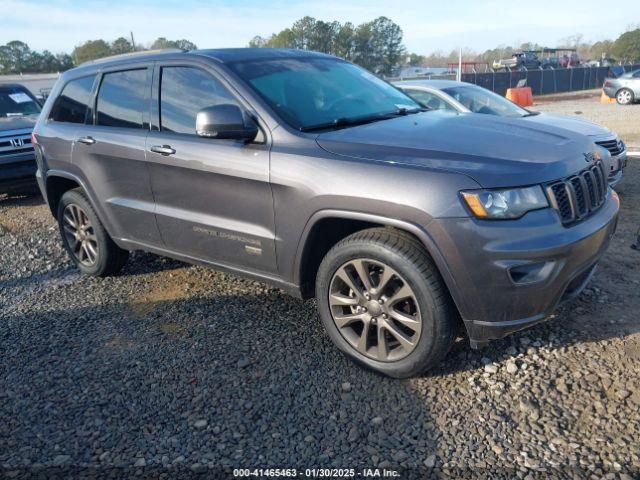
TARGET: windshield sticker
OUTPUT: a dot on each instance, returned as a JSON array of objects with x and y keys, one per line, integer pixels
[{"x": 20, "y": 97}]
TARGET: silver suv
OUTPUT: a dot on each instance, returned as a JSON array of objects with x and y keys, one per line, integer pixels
[{"x": 308, "y": 172}]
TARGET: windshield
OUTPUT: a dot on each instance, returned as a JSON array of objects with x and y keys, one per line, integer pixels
[
  {"x": 479, "y": 100},
  {"x": 312, "y": 92},
  {"x": 16, "y": 102}
]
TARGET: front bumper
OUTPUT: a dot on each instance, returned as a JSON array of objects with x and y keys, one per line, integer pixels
[{"x": 510, "y": 275}]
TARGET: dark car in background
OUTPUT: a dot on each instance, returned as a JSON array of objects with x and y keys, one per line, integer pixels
[
  {"x": 518, "y": 61},
  {"x": 308, "y": 172},
  {"x": 624, "y": 88},
  {"x": 19, "y": 111}
]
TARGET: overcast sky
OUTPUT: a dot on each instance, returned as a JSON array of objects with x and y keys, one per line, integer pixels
[{"x": 428, "y": 26}]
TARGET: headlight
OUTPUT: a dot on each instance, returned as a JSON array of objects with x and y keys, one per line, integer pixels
[{"x": 504, "y": 203}]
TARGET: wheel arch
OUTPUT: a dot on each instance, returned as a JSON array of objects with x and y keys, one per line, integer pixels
[
  {"x": 310, "y": 253},
  {"x": 57, "y": 182}
]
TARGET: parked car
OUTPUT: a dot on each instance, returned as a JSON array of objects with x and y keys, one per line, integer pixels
[
  {"x": 550, "y": 62},
  {"x": 624, "y": 88},
  {"x": 19, "y": 111},
  {"x": 306, "y": 171},
  {"x": 467, "y": 98},
  {"x": 569, "y": 60},
  {"x": 518, "y": 61}
]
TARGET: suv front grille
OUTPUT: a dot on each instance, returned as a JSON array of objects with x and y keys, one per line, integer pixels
[
  {"x": 15, "y": 144},
  {"x": 576, "y": 197},
  {"x": 614, "y": 146}
]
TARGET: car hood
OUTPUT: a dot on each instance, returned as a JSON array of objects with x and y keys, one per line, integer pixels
[
  {"x": 574, "y": 124},
  {"x": 494, "y": 151},
  {"x": 17, "y": 123}
]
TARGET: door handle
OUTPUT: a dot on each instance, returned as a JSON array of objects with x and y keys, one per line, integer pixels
[
  {"x": 87, "y": 140},
  {"x": 163, "y": 149}
]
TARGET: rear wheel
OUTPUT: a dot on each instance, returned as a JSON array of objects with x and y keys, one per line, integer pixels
[
  {"x": 384, "y": 304},
  {"x": 624, "y": 96},
  {"x": 85, "y": 239}
]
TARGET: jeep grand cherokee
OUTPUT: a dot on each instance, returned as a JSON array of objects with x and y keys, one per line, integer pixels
[{"x": 308, "y": 172}]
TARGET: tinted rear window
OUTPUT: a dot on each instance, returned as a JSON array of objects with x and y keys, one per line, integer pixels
[
  {"x": 121, "y": 99},
  {"x": 72, "y": 104}
]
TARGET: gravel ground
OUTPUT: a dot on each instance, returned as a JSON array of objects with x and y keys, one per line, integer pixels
[
  {"x": 624, "y": 120},
  {"x": 170, "y": 370}
]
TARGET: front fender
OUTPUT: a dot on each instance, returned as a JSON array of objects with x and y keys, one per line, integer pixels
[{"x": 420, "y": 232}]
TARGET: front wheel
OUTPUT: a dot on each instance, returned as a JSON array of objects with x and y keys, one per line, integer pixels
[
  {"x": 85, "y": 238},
  {"x": 624, "y": 96},
  {"x": 383, "y": 303}
]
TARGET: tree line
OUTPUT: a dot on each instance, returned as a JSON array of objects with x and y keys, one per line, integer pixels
[
  {"x": 16, "y": 57},
  {"x": 375, "y": 45}
]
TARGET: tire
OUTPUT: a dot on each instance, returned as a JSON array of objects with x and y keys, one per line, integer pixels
[
  {"x": 401, "y": 259},
  {"x": 624, "y": 96},
  {"x": 100, "y": 257}
]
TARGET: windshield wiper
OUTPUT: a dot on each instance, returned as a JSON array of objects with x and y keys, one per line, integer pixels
[{"x": 350, "y": 122}]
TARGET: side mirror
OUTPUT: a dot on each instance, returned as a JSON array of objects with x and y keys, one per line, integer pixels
[{"x": 225, "y": 121}]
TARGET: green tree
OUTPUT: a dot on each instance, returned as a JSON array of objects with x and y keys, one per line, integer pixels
[
  {"x": 91, "y": 50},
  {"x": 344, "y": 41},
  {"x": 283, "y": 39},
  {"x": 121, "y": 45},
  {"x": 627, "y": 46},
  {"x": 601, "y": 49},
  {"x": 161, "y": 43},
  {"x": 375, "y": 45},
  {"x": 323, "y": 36},
  {"x": 63, "y": 62},
  {"x": 15, "y": 57},
  {"x": 387, "y": 44},
  {"x": 416, "y": 60},
  {"x": 257, "y": 42},
  {"x": 303, "y": 31}
]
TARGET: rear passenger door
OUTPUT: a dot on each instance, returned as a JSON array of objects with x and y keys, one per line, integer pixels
[
  {"x": 111, "y": 153},
  {"x": 213, "y": 196}
]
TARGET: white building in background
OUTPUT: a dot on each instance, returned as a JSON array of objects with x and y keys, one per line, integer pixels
[{"x": 38, "y": 83}]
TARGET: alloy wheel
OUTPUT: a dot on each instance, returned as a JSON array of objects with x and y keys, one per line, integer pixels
[
  {"x": 80, "y": 235},
  {"x": 375, "y": 310}
]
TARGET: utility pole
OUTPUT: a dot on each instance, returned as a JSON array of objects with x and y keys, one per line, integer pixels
[
  {"x": 133, "y": 43},
  {"x": 459, "y": 72}
]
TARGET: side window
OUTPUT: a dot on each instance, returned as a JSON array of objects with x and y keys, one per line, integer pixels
[
  {"x": 121, "y": 99},
  {"x": 184, "y": 91},
  {"x": 72, "y": 104},
  {"x": 429, "y": 100}
]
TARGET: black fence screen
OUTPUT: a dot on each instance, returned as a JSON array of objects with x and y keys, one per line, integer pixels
[{"x": 548, "y": 81}]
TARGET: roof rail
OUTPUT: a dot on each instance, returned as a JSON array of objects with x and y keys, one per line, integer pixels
[{"x": 141, "y": 53}]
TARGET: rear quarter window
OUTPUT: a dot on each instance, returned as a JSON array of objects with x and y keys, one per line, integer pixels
[{"x": 73, "y": 103}]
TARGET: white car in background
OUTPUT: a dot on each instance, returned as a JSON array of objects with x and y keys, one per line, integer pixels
[{"x": 468, "y": 98}]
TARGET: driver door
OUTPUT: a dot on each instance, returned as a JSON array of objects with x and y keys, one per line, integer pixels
[{"x": 213, "y": 197}]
